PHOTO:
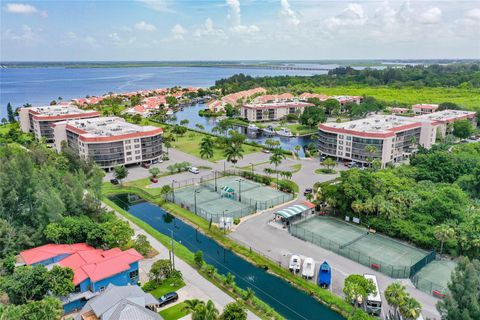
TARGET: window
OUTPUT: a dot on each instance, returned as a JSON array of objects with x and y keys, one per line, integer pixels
[
  {"x": 128, "y": 141},
  {"x": 137, "y": 151},
  {"x": 137, "y": 157},
  {"x": 340, "y": 153},
  {"x": 349, "y": 138},
  {"x": 136, "y": 140},
  {"x": 128, "y": 147},
  {"x": 347, "y": 154},
  {"x": 340, "y": 148},
  {"x": 137, "y": 146},
  {"x": 129, "y": 153},
  {"x": 347, "y": 149},
  {"x": 349, "y": 143},
  {"x": 340, "y": 142},
  {"x": 133, "y": 274},
  {"x": 129, "y": 159},
  {"x": 341, "y": 136}
]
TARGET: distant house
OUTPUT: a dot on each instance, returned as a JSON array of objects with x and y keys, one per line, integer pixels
[
  {"x": 398, "y": 110},
  {"x": 94, "y": 269},
  {"x": 424, "y": 108},
  {"x": 120, "y": 302}
]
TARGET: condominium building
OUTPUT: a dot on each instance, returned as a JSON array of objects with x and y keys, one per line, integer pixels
[
  {"x": 110, "y": 141},
  {"x": 446, "y": 117},
  {"x": 272, "y": 111},
  {"x": 38, "y": 120},
  {"x": 424, "y": 108},
  {"x": 395, "y": 138}
]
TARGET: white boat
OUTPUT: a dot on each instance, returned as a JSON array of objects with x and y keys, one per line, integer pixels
[
  {"x": 284, "y": 132},
  {"x": 252, "y": 127},
  {"x": 295, "y": 263},
  {"x": 269, "y": 130},
  {"x": 308, "y": 270}
]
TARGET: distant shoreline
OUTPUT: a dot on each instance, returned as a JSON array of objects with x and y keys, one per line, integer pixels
[{"x": 287, "y": 65}]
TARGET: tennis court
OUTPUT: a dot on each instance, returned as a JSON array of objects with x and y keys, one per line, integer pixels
[
  {"x": 212, "y": 197},
  {"x": 209, "y": 204},
  {"x": 379, "y": 252},
  {"x": 434, "y": 277}
]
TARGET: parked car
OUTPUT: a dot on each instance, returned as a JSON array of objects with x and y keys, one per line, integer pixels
[
  {"x": 146, "y": 165},
  {"x": 194, "y": 170},
  {"x": 265, "y": 151},
  {"x": 167, "y": 298},
  {"x": 154, "y": 180},
  {"x": 307, "y": 191},
  {"x": 114, "y": 181},
  {"x": 295, "y": 263},
  {"x": 308, "y": 270}
]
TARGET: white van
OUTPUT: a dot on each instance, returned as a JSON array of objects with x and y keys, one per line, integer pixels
[
  {"x": 194, "y": 170},
  {"x": 373, "y": 304}
]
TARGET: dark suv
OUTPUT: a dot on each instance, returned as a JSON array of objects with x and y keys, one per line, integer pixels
[{"x": 167, "y": 298}]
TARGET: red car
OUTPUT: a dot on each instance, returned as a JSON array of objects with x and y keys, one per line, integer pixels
[
  {"x": 146, "y": 165},
  {"x": 154, "y": 180}
]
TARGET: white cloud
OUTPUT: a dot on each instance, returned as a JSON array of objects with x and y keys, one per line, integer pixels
[
  {"x": 20, "y": 8},
  {"x": 431, "y": 16},
  {"x": 352, "y": 15},
  {"x": 178, "y": 32},
  {"x": 25, "y": 35},
  {"x": 144, "y": 26},
  {"x": 245, "y": 30},
  {"x": 473, "y": 14},
  {"x": 71, "y": 35},
  {"x": 91, "y": 41},
  {"x": 287, "y": 12},
  {"x": 157, "y": 5},
  {"x": 114, "y": 37},
  {"x": 234, "y": 14},
  {"x": 208, "y": 30}
]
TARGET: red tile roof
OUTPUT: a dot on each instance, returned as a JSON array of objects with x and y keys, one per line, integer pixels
[{"x": 48, "y": 251}]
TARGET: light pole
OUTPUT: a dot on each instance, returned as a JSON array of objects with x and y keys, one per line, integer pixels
[
  {"x": 173, "y": 191},
  {"x": 224, "y": 222},
  {"x": 173, "y": 253},
  {"x": 252, "y": 169},
  {"x": 195, "y": 199},
  {"x": 240, "y": 189}
]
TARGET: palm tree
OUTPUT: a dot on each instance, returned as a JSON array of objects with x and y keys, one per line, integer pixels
[
  {"x": 443, "y": 233},
  {"x": 328, "y": 163},
  {"x": 297, "y": 149},
  {"x": 190, "y": 305},
  {"x": 233, "y": 152},
  {"x": 276, "y": 159},
  {"x": 410, "y": 309},
  {"x": 395, "y": 295},
  {"x": 206, "y": 148},
  {"x": 249, "y": 294},
  {"x": 371, "y": 149},
  {"x": 211, "y": 312},
  {"x": 230, "y": 279}
]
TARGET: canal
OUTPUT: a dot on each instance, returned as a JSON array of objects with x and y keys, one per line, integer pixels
[
  {"x": 287, "y": 300},
  {"x": 190, "y": 113}
]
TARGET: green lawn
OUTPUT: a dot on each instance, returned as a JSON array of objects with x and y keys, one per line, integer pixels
[
  {"x": 142, "y": 184},
  {"x": 190, "y": 141},
  {"x": 468, "y": 98},
  {"x": 300, "y": 129},
  {"x": 167, "y": 286},
  {"x": 295, "y": 168},
  {"x": 175, "y": 312},
  {"x": 325, "y": 171}
]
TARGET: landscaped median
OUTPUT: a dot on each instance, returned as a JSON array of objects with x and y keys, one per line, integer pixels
[{"x": 324, "y": 296}]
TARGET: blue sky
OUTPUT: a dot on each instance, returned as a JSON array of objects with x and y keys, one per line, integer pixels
[{"x": 238, "y": 29}]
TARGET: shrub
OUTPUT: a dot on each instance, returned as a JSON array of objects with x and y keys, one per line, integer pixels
[
  {"x": 149, "y": 286},
  {"x": 236, "y": 221}
]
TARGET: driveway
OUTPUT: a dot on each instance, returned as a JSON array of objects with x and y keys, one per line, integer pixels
[{"x": 277, "y": 244}]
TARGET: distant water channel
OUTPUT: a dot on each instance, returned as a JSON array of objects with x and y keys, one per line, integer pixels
[
  {"x": 290, "y": 302},
  {"x": 191, "y": 114}
]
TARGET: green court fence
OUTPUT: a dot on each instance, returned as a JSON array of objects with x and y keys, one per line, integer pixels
[
  {"x": 210, "y": 181},
  {"x": 394, "y": 271},
  {"x": 428, "y": 286},
  {"x": 208, "y": 214}
]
